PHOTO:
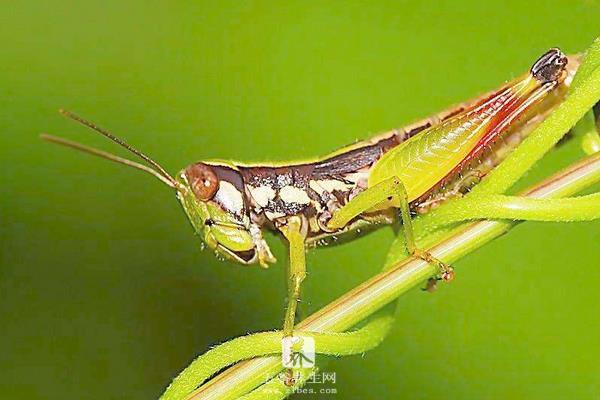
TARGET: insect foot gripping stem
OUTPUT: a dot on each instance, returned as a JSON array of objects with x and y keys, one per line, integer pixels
[{"x": 446, "y": 271}]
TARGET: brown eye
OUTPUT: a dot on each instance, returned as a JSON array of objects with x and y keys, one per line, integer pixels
[{"x": 203, "y": 181}]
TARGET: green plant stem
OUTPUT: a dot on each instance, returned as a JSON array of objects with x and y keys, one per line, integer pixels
[
  {"x": 586, "y": 128},
  {"x": 385, "y": 287},
  {"x": 497, "y": 206},
  {"x": 244, "y": 347}
]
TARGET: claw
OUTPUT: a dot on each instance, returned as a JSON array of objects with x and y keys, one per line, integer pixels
[
  {"x": 448, "y": 274},
  {"x": 289, "y": 378}
]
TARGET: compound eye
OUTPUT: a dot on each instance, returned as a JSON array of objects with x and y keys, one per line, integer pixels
[{"x": 203, "y": 181}]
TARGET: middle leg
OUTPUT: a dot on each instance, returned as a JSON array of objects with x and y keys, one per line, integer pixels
[{"x": 293, "y": 232}]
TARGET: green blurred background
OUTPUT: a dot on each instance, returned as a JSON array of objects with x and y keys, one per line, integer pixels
[{"x": 104, "y": 292}]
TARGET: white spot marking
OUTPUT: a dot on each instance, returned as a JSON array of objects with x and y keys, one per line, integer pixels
[
  {"x": 314, "y": 185},
  {"x": 229, "y": 197},
  {"x": 262, "y": 194},
  {"x": 328, "y": 185},
  {"x": 292, "y": 194}
]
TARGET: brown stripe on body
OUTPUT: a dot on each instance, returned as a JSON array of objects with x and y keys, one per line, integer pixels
[
  {"x": 312, "y": 188},
  {"x": 353, "y": 160}
]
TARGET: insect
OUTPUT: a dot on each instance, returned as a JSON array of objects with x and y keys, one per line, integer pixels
[{"x": 383, "y": 180}]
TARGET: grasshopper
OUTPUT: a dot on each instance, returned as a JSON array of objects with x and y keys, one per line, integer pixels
[{"x": 383, "y": 180}]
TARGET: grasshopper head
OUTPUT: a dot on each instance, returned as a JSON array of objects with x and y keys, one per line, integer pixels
[{"x": 212, "y": 196}]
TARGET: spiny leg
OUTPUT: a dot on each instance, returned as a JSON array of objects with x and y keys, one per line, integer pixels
[
  {"x": 373, "y": 196},
  {"x": 296, "y": 274}
]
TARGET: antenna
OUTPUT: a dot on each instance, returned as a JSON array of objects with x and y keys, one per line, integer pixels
[
  {"x": 106, "y": 155},
  {"x": 156, "y": 169}
]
